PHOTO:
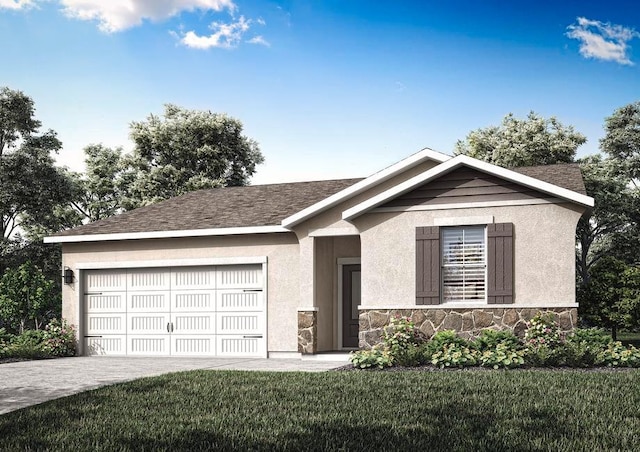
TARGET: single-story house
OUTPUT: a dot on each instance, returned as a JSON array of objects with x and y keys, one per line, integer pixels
[{"x": 302, "y": 268}]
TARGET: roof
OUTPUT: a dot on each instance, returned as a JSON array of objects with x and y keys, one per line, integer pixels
[
  {"x": 565, "y": 175},
  {"x": 228, "y": 207},
  {"x": 276, "y": 207},
  {"x": 553, "y": 172}
]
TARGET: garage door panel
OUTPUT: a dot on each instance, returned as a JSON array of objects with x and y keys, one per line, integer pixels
[
  {"x": 148, "y": 279},
  {"x": 149, "y": 323},
  {"x": 240, "y": 300},
  {"x": 98, "y": 323},
  {"x": 108, "y": 345},
  {"x": 148, "y": 301},
  {"x": 148, "y": 345},
  {"x": 239, "y": 322},
  {"x": 239, "y": 277},
  {"x": 193, "y": 345},
  {"x": 106, "y": 302},
  {"x": 194, "y": 323},
  {"x": 106, "y": 281},
  {"x": 239, "y": 345},
  {"x": 193, "y": 300},
  {"x": 193, "y": 278}
]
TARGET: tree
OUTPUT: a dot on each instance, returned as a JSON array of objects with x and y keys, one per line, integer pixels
[
  {"x": 27, "y": 298},
  {"x": 32, "y": 186},
  {"x": 622, "y": 139},
  {"x": 98, "y": 193},
  {"x": 532, "y": 141},
  {"x": 612, "y": 296},
  {"x": 601, "y": 229},
  {"x": 183, "y": 151}
]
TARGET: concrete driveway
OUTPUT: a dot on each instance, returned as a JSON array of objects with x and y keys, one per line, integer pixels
[{"x": 28, "y": 383}]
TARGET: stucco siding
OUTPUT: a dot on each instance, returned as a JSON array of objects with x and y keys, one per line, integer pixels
[
  {"x": 281, "y": 251},
  {"x": 544, "y": 250}
]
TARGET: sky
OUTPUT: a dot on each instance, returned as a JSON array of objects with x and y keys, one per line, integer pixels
[{"x": 328, "y": 88}]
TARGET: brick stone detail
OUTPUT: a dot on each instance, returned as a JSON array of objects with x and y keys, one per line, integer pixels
[
  {"x": 467, "y": 322},
  {"x": 307, "y": 332}
]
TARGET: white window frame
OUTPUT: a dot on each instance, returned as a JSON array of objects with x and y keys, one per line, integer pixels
[{"x": 442, "y": 264}]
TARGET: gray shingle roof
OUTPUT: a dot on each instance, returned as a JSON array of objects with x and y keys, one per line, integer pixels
[
  {"x": 253, "y": 205},
  {"x": 565, "y": 175},
  {"x": 262, "y": 205}
]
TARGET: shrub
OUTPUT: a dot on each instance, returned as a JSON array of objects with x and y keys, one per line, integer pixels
[
  {"x": 617, "y": 355},
  {"x": 442, "y": 339},
  {"x": 503, "y": 355},
  {"x": 583, "y": 345},
  {"x": 402, "y": 339},
  {"x": 543, "y": 341},
  {"x": 490, "y": 339},
  {"x": 378, "y": 357},
  {"x": 454, "y": 355},
  {"x": 59, "y": 339}
]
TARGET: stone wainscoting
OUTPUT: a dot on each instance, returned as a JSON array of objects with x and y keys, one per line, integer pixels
[
  {"x": 307, "y": 332},
  {"x": 467, "y": 322}
]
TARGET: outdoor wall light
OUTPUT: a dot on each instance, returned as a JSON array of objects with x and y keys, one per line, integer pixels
[{"x": 68, "y": 275}]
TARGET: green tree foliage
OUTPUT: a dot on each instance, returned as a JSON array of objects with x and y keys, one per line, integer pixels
[
  {"x": 611, "y": 298},
  {"x": 186, "y": 150},
  {"x": 522, "y": 142},
  {"x": 33, "y": 188},
  {"x": 27, "y": 298},
  {"x": 622, "y": 139},
  {"x": 611, "y": 220}
]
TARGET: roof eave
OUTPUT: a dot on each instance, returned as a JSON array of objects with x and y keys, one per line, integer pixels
[
  {"x": 456, "y": 162},
  {"x": 165, "y": 234},
  {"x": 365, "y": 184}
]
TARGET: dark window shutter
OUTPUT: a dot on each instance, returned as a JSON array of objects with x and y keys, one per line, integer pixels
[
  {"x": 500, "y": 263},
  {"x": 428, "y": 265}
]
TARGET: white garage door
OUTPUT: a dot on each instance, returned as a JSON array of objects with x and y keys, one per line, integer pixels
[{"x": 190, "y": 311}]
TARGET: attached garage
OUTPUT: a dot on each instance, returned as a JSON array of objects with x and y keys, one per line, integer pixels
[{"x": 175, "y": 311}]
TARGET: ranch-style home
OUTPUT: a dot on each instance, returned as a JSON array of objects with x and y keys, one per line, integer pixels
[{"x": 303, "y": 268}]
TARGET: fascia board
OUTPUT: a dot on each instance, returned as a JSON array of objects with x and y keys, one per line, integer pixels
[
  {"x": 456, "y": 162},
  {"x": 365, "y": 184},
  {"x": 165, "y": 234}
]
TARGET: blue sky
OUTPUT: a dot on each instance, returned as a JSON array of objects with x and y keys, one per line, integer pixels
[{"x": 329, "y": 89}]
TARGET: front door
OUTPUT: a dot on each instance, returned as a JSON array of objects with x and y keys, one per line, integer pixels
[{"x": 350, "y": 302}]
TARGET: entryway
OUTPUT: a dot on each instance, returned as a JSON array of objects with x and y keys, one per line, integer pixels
[{"x": 350, "y": 300}]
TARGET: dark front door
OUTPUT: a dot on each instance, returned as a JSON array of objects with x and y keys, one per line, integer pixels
[{"x": 350, "y": 302}]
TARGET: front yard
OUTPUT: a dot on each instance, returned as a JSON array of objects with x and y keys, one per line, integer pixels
[{"x": 360, "y": 410}]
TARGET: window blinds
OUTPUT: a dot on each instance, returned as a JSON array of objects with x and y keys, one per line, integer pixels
[{"x": 464, "y": 264}]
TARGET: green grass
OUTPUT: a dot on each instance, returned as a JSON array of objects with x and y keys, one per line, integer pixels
[{"x": 480, "y": 410}]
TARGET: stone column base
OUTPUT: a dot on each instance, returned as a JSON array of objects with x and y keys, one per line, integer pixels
[
  {"x": 307, "y": 332},
  {"x": 467, "y": 323}
]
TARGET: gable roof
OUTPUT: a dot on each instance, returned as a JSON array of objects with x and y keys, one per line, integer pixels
[
  {"x": 570, "y": 173},
  {"x": 228, "y": 210},
  {"x": 277, "y": 207},
  {"x": 365, "y": 184}
]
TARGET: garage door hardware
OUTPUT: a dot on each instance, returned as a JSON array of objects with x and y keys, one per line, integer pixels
[
  {"x": 170, "y": 327},
  {"x": 252, "y": 290},
  {"x": 253, "y": 336},
  {"x": 93, "y": 336},
  {"x": 93, "y": 293}
]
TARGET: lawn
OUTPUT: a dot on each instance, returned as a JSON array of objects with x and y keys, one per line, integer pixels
[{"x": 450, "y": 410}]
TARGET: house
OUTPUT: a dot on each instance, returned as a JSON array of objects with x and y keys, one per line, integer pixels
[{"x": 279, "y": 270}]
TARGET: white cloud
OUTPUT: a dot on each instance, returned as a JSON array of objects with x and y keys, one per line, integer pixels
[
  {"x": 15, "y": 4},
  {"x": 259, "y": 40},
  {"x": 223, "y": 36},
  {"x": 118, "y": 15},
  {"x": 603, "y": 41}
]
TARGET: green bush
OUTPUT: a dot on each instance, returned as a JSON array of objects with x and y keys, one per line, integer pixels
[
  {"x": 59, "y": 339},
  {"x": 442, "y": 339},
  {"x": 503, "y": 355},
  {"x": 543, "y": 342},
  {"x": 454, "y": 355},
  {"x": 583, "y": 346},
  {"x": 490, "y": 339},
  {"x": 617, "y": 355},
  {"x": 378, "y": 357},
  {"x": 401, "y": 338}
]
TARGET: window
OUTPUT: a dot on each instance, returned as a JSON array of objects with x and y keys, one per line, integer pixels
[{"x": 464, "y": 263}]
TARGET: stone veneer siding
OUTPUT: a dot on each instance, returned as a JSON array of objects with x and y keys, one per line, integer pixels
[
  {"x": 307, "y": 332},
  {"x": 467, "y": 322}
]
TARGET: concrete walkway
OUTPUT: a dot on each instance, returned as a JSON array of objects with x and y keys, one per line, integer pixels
[{"x": 28, "y": 383}]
